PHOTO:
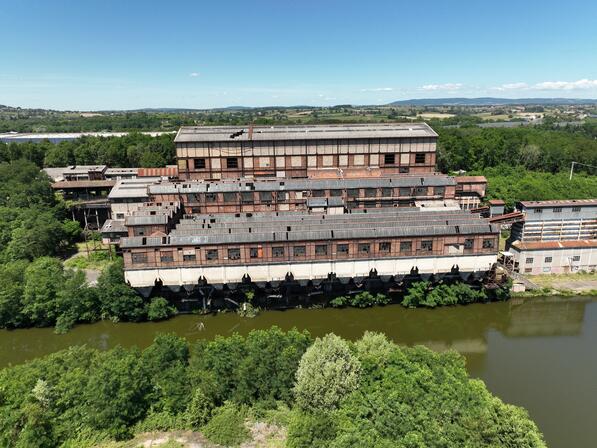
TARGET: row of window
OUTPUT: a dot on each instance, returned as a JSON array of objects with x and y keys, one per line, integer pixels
[
  {"x": 301, "y": 250},
  {"x": 281, "y": 196},
  {"x": 557, "y": 210},
  {"x": 530, "y": 260},
  {"x": 232, "y": 162}
]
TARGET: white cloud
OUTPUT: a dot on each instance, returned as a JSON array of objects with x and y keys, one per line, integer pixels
[
  {"x": 378, "y": 89},
  {"x": 567, "y": 85},
  {"x": 512, "y": 86},
  {"x": 194, "y": 74},
  {"x": 581, "y": 84},
  {"x": 449, "y": 86}
]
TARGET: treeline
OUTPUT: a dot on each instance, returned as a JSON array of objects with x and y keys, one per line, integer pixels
[
  {"x": 132, "y": 150},
  {"x": 33, "y": 223},
  {"x": 327, "y": 393},
  {"x": 46, "y": 121},
  {"x": 535, "y": 149},
  {"x": 44, "y": 293},
  {"x": 35, "y": 288}
]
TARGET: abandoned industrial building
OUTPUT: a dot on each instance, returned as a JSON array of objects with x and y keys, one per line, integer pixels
[
  {"x": 312, "y": 205},
  {"x": 226, "y": 249},
  {"x": 327, "y": 209},
  {"x": 555, "y": 237},
  {"x": 318, "y": 194},
  {"x": 292, "y": 151}
]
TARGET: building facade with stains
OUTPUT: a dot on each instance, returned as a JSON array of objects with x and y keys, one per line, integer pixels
[{"x": 223, "y": 152}]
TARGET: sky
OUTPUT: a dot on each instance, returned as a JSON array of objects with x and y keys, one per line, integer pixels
[{"x": 127, "y": 54}]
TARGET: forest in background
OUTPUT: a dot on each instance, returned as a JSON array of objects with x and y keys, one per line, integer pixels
[{"x": 523, "y": 163}]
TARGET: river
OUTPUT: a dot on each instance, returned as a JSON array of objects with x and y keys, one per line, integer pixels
[{"x": 539, "y": 353}]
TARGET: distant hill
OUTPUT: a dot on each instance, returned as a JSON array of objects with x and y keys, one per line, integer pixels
[{"x": 489, "y": 101}]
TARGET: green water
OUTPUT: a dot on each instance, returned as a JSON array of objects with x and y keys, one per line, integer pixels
[{"x": 537, "y": 353}]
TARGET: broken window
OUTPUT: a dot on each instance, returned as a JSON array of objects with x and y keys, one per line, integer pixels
[{"x": 234, "y": 253}]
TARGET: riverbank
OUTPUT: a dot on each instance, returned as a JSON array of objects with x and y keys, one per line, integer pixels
[
  {"x": 547, "y": 344},
  {"x": 564, "y": 285}
]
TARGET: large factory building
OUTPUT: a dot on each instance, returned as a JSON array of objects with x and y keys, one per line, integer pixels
[
  {"x": 315, "y": 206},
  {"x": 293, "y": 151}
]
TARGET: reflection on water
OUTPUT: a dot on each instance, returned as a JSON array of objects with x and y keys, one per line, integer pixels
[{"x": 538, "y": 353}]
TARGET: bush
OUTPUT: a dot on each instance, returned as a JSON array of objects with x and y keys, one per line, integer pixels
[
  {"x": 422, "y": 294},
  {"x": 339, "y": 302},
  {"x": 365, "y": 299},
  {"x": 200, "y": 409},
  {"x": 247, "y": 309},
  {"x": 327, "y": 372},
  {"x": 311, "y": 430},
  {"x": 160, "y": 421},
  {"x": 160, "y": 309},
  {"x": 227, "y": 426},
  {"x": 361, "y": 300}
]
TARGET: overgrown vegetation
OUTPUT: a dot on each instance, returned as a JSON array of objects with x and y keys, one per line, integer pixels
[
  {"x": 36, "y": 289},
  {"x": 513, "y": 184},
  {"x": 361, "y": 300},
  {"x": 43, "y": 293},
  {"x": 424, "y": 294},
  {"x": 328, "y": 393}
]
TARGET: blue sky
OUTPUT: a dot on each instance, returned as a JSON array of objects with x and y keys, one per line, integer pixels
[{"x": 108, "y": 54}]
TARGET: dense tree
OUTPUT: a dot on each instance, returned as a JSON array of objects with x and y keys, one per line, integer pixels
[
  {"x": 117, "y": 391},
  {"x": 43, "y": 280},
  {"x": 474, "y": 148},
  {"x": 405, "y": 397},
  {"x": 43, "y": 293},
  {"x": 12, "y": 279},
  {"x": 327, "y": 372},
  {"x": 412, "y": 397},
  {"x": 269, "y": 365}
]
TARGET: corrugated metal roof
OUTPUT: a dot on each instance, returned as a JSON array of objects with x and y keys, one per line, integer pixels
[
  {"x": 546, "y": 245},
  {"x": 66, "y": 184},
  {"x": 136, "y": 220},
  {"x": 559, "y": 203},
  {"x": 265, "y": 133},
  {"x": 335, "y": 235},
  {"x": 471, "y": 179},
  {"x": 114, "y": 226},
  {"x": 171, "y": 171},
  {"x": 301, "y": 184},
  {"x": 280, "y": 227}
]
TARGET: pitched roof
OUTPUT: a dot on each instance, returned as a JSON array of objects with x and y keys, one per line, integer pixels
[
  {"x": 559, "y": 203},
  {"x": 543, "y": 245}
]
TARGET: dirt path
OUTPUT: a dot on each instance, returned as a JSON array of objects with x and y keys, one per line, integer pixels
[{"x": 576, "y": 285}]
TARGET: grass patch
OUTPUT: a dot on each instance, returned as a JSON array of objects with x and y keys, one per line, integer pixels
[
  {"x": 549, "y": 280},
  {"x": 95, "y": 260}
]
